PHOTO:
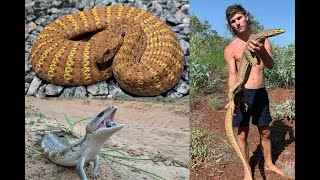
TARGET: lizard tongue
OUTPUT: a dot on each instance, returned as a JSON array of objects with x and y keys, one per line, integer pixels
[{"x": 101, "y": 125}]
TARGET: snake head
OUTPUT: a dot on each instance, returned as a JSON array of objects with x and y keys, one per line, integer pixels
[
  {"x": 115, "y": 43},
  {"x": 106, "y": 44}
]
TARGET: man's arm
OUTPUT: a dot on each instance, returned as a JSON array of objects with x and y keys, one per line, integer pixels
[
  {"x": 263, "y": 51},
  {"x": 231, "y": 65}
]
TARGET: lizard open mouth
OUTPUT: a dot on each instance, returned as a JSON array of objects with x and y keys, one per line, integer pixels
[
  {"x": 108, "y": 122},
  {"x": 104, "y": 122}
]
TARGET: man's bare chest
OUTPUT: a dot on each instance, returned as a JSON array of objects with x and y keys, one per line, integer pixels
[{"x": 237, "y": 58}]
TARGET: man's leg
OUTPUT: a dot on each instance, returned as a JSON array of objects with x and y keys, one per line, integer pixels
[
  {"x": 243, "y": 145},
  {"x": 265, "y": 143}
]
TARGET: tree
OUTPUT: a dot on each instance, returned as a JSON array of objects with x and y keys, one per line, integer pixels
[
  {"x": 255, "y": 25},
  {"x": 201, "y": 29}
]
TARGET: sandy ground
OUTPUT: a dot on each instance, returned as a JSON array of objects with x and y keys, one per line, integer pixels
[{"x": 153, "y": 130}]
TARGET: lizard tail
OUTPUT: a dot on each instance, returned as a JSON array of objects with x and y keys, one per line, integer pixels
[{"x": 232, "y": 139}]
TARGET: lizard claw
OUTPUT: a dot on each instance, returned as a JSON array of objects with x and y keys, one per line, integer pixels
[
  {"x": 232, "y": 109},
  {"x": 246, "y": 107},
  {"x": 94, "y": 176},
  {"x": 253, "y": 64}
]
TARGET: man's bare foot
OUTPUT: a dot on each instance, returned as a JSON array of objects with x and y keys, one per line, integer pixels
[{"x": 274, "y": 168}]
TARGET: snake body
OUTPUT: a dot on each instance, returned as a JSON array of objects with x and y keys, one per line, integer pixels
[{"x": 137, "y": 48}]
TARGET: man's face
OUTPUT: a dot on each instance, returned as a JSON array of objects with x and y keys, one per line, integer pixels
[{"x": 239, "y": 22}]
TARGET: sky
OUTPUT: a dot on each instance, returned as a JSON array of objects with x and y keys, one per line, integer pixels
[{"x": 270, "y": 14}]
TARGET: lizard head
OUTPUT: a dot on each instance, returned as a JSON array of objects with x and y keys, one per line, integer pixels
[
  {"x": 102, "y": 126},
  {"x": 274, "y": 32},
  {"x": 269, "y": 33}
]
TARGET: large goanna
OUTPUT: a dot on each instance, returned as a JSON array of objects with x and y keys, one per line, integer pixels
[
  {"x": 90, "y": 46},
  {"x": 236, "y": 93},
  {"x": 86, "y": 149}
]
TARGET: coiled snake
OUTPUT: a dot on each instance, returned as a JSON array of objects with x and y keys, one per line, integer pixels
[{"x": 90, "y": 46}]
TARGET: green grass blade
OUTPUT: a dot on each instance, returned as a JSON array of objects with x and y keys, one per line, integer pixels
[
  {"x": 135, "y": 168},
  {"x": 114, "y": 149},
  {"x": 130, "y": 158},
  {"x": 114, "y": 170},
  {"x": 74, "y": 123}
]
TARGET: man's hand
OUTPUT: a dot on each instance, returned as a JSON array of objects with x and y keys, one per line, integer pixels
[{"x": 255, "y": 46}]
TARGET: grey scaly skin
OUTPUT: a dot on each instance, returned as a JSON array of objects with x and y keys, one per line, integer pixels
[
  {"x": 236, "y": 93},
  {"x": 86, "y": 149}
]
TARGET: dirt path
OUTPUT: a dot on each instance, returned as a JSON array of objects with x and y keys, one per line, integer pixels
[{"x": 152, "y": 130}]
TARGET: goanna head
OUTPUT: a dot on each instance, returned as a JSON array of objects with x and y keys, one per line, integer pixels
[{"x": 268, "y": 33}]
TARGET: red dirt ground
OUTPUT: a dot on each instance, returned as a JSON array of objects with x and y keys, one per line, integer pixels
[{"x": 213, "y": 120}]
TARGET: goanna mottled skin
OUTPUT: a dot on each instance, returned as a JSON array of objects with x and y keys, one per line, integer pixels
[
  {"x": 236, "y": 93},
  {"x": 85, "y": 150},
  {"x": 87, "y": 47}
]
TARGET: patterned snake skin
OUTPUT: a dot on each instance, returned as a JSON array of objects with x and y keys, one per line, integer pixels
[{"x": 87, "y": 47}]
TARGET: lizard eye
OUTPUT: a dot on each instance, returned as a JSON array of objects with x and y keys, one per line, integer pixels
[{"x": 101, "y": 114}]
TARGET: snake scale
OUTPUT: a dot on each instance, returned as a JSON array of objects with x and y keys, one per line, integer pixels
[
  {"x": 137, "y": 48},
  {"x": 236, "y": 93}
]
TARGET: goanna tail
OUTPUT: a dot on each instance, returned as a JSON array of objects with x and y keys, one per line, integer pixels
[{"x": 233, "y": 141}]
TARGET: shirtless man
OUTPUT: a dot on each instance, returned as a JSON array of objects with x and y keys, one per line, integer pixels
[{"x": 256, "y": 95}]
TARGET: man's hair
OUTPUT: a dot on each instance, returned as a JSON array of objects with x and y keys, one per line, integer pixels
[{"x": 231, "y": 11}]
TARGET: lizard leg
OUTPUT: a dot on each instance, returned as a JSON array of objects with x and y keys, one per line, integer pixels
[
  {"x": 80, "y": 169},
  {"x": 95, "y": 171},
  {"x": 253, "y": 59},
  {"x": 233, "y": 90},
  {"x": 242, "y": 99},
  {"x": 231, "y": 100},
  {"x": 231, "y": 97}
]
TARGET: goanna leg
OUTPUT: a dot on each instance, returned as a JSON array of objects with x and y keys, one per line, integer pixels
[
  {"x": 253, "y": 59},
  {"x": 233, "y": 90},
  {"x": 242, "y": 99}
]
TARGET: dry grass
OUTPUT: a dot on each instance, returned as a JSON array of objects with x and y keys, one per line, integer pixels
[
  {"x": 209, "y": 147},
  {"x": 289, "y": 169}
]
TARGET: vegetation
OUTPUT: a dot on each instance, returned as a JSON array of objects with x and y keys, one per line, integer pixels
[
  {"x": 285, "y": 110},
  {"x": 206, "y": 53},
  {"x": 283, "y": 72},
  {"x": 208, "y": 146}
]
